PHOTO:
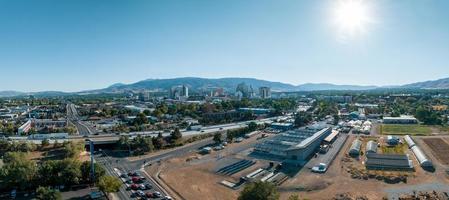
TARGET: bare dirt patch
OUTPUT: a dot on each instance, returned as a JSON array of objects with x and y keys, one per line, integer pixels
[{"x": 440, "y": 149}]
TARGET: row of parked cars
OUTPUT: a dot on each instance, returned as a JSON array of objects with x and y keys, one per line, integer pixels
[{"x": 137, "y": 183}]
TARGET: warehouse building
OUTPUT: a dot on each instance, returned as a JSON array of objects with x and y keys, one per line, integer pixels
[
  {"x": 403, "y": 119},
  {"x": 294, "y": 146}
]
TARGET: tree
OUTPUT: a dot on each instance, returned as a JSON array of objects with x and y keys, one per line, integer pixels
[
  {"x": 140, "y": 119},
  {"x": 109, "y": 184},
  {"x": 123, "y": 142},
  {"x": 302, "y": 119},
  {"x": 259, "y": 191},
  {"x": 46, "y": 193},
  {"x": 252, "y": 126},
  {"x": 141, "y": 145},
  {"x": 176, "y": 136},
  {"x": 293, "y": 197},
  {"x": 45, "y": 142},
  {"x": 72, "y": 149},
  {"x": 229, "y": 136},
  {"x": 18, "y": 171},
  {"x": 86, "y": 171},
  {"x": 159, "y": 141},
  {"x": 217, "y": 137}
]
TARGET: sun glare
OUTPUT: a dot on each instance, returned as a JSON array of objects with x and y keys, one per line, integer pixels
[{"x": 351, "y": 16}]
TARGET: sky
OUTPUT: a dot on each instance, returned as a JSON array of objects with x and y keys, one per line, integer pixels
[{"x": 90, "y": 44}]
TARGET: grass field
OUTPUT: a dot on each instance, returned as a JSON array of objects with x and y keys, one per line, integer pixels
[
  {"x": 402, "y": 129},
  {"x": 398, "y": 149}
]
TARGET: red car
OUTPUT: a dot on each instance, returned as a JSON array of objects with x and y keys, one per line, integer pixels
[
  {"x": 134, "y": 186},
  {"x": 149, "y": 195}
]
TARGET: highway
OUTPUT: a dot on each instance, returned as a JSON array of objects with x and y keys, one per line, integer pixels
[{"x": 73, "y": 117}]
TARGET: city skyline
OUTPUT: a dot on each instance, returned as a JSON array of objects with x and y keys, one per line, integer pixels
[{"x": 49, "y": 45}]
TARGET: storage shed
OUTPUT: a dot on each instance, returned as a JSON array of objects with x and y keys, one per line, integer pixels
[
  {"x": 371, "y": 146},
  {"x": 354, "y": 151},
  {"x": 421, "y": 157}
]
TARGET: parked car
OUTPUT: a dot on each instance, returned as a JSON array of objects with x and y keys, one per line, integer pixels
[
  {"x": 320, "y": 168},
  {"x": 157, "y": 194},
  {"x": 142, "y": 187},
  {"x": 134, "y": 186},
  {"x": 128, "y": 186},
  {"x": 149, "y": 194},
  {"x": 136, "y": 179},
  {"x": 148, "y": 185},
  {"x": 167, "y": 198},
  {"x": 140, "y": 193}
]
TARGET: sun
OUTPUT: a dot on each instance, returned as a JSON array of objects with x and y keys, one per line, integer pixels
[{"x": 351, "y": 16}]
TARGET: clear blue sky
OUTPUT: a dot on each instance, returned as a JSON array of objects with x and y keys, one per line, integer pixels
[{"x": 88, "y": 44}]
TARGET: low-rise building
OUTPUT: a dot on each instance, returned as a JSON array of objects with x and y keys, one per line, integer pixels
[
  {"x": 294, "y": 146},
  {"x": 403, "y": 119}
]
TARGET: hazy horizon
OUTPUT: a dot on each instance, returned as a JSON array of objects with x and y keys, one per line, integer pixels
[{"x": 81, "y": 45}]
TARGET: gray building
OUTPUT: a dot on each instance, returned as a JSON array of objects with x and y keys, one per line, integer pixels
[
  {"x": 294, "y": 146},
  {"x": 265, "y": 92},
  {"x": 354, "y": 151}
]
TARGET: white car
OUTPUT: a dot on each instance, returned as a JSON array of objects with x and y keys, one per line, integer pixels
[
  {"x": 167, "y": 198},
  {"x": 320, "y": 168}
]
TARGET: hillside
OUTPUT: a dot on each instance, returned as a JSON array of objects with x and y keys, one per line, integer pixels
[{"x": 435, "y": 84}]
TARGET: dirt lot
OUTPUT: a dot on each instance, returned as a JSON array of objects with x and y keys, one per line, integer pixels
[
  {"x": 194, "y": 176},
  {"x": 337, "y": 180},
  {"x": 440, "y": 148}
]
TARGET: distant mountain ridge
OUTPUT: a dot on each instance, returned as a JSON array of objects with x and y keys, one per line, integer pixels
[
  {"x": 228, "y": 84},
  {"x": 435, "y": 84}
]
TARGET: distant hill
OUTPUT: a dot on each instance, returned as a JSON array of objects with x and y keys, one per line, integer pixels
[
  {"x": 228, "y": 84},
  {"x": 37, "y": 94},
  {"x": 194, "y": 83},
  {"x": 435, "y": 84},
  {"x": 328, "y": 86},
  {"x": 10, "y": 93}
]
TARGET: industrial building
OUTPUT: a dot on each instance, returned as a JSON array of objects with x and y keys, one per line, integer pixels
[
  {"x": 294, "y": 146},
  {"x": 375, "y": 161},
  {"x": 403, "y": 119},
  {"x": 281, "y": 126},
  {"x": 331, "y": 137},
  {"x": 354, "y": 151}
]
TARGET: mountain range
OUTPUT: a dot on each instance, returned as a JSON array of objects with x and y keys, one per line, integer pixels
[{"x": 229, "y": 84}]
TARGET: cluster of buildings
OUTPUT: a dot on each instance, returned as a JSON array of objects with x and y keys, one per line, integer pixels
[
  {"x": 245, "y": 91},
  {"x": 40, "y": 124}
]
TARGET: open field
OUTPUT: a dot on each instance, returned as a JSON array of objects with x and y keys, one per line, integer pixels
[
  {"x": 402, "y": 129},
  {"x": 440, "y": 149},
  {"x": 397, "y": 149}
]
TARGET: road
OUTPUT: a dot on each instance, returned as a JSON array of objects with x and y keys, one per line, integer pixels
[
  {"x": 73, "y": 117},
  {"x": 113, "y": 161}
]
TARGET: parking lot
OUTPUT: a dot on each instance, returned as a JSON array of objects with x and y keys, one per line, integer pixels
[{"x": 136, "y": 184}]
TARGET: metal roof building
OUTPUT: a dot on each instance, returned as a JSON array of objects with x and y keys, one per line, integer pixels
[
  {"x": 355, "y": 148},
  {"x": 409, "y": 141},
  {"x": 294, "y": 145},
  {"x": 371, "y": 147},
  {"x": 377, "y": 161}
]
